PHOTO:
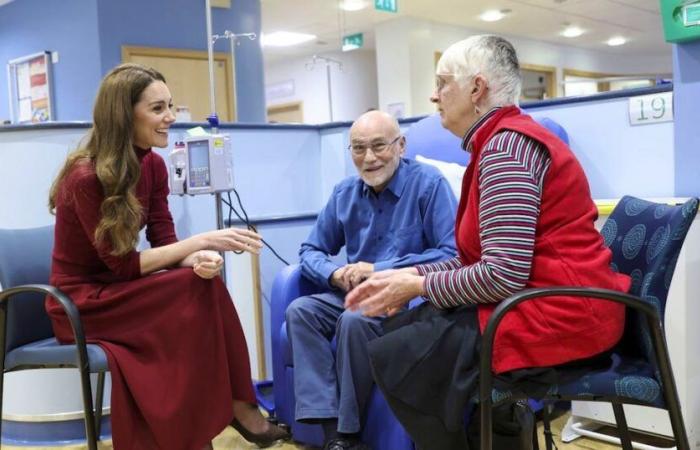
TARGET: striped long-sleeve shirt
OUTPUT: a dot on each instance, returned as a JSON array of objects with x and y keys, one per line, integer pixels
[{"x": 511, "y": 171}]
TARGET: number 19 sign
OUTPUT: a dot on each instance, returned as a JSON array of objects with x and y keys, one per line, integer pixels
[{"x": 652, "y": 108}]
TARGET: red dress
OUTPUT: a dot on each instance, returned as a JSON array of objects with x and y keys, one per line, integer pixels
[{"x": 175, "y": 347}]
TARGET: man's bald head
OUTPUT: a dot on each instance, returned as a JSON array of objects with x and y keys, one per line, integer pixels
[
  {"x": 377, "y": 147},
  {"x": 375, "y": 121}
]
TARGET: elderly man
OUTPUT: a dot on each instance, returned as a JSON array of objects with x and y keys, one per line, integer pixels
[{"x": 397, "y": 213}]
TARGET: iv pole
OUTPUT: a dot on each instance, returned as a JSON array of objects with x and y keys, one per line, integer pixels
[
  {"x": 213, "y": 118},
  {"x": 233, "y": 41},
  {"x": 328, "y": 61}
]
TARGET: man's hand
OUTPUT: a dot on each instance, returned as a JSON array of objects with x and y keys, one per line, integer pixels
[
  {"x": 338, "y": 281},
  {"x": 356, "y": 273}
]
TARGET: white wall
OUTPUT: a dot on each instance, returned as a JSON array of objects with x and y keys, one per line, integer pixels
[{"x": 354, "y": 88}]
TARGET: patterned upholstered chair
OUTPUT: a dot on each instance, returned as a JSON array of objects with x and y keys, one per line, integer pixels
[{"x": 645, "y": 239}]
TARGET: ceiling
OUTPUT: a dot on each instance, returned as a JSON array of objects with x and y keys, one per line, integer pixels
[{"x": 637, "y": 20}]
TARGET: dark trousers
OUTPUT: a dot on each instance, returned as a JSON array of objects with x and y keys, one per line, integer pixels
[{"x": 426, "y": 365}]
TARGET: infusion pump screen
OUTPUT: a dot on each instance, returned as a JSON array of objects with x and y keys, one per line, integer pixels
[{"x": 198, "y": 154}]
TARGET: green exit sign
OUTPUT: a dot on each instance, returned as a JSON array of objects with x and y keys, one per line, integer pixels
[
  {"x": 691, "y": 15},
  {"x": 385, "y": 5},
  {"x": 353, "y": 42}
]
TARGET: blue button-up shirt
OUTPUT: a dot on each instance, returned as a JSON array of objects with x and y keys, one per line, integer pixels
[{"x": 410, "y": 222}]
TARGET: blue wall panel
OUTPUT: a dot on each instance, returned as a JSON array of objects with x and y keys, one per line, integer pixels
[
  {"x": 686, "y": 87},
  {"x": 68, "y": 27},
  {"x": 618, "y": 159}
]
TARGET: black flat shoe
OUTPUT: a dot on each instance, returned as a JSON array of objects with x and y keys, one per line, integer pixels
[{"x": 262, "y": 440}]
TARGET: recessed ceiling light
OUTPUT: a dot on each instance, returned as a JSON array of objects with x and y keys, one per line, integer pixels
[
  {"x": 572, "y": 31},
  {"x": 616, "y": 40},
  {"x": 493, "y": 15},
  {"x": 353, "y": 5},
  {"x": 284, "y": 39}
]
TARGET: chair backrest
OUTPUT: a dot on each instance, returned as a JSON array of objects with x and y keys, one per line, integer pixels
[
  {"x": 646, "y": 239},
  {"x": 555, "y": 128},
  {"x": 428, "y": 138},
  {"x": 25, "y": 258}
]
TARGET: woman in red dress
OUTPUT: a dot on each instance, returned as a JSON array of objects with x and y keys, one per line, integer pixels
[{"x": 176, "y": 351}]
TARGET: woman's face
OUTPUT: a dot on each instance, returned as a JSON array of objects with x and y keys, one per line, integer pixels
[
  {"x": 153, "y": 116},
  {"x": 455, "y": 104}
]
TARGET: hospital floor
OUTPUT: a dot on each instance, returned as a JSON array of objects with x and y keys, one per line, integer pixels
[{"x": 229, "y": 439}]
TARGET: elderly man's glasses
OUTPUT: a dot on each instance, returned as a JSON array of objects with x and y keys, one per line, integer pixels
[{"x": 377, "y": 147}]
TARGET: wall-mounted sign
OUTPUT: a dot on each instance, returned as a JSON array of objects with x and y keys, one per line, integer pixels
[
  {"x": 385, "y": 5},
  {"x": 691, "y": 15},
  {"x": 681, "y": 20},
  {"x": 353, "y": 42},
  {"x": 279, "y": 90},
  {"x": 398, "y": 110},
  {"x": 653, "y": 108},
  {"x": 30, "y": 88}
]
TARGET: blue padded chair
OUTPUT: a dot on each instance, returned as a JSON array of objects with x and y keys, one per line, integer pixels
[
  {"x": 380, "y": 430},
  {"x": 26, "y": 336},
  {"x": 429, "y": 139},
  {"x": 645, "y": 239}
]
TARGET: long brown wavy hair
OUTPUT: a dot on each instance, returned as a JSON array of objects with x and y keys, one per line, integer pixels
[{"x": 110, "y": 149}]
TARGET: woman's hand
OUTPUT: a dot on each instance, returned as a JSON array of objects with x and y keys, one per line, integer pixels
[
  {"x": 206, "y": 263},
  {"x": 391, "y": 272},
  {"x": 233, "y": 239},
  {"x": 385, "y": 293}
]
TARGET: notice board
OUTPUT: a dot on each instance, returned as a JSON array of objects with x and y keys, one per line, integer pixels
[{"x": 30, "y": 89}]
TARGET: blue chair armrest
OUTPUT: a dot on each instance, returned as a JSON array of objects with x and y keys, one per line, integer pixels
[
  {"x": 68, "y": 307},
  {"x": 288, "y": 285}
]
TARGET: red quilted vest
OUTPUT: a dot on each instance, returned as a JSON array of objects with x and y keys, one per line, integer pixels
[{"x": 568, "y": 252}]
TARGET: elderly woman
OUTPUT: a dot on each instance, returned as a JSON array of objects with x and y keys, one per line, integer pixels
[{"x": 525, "y": 220}]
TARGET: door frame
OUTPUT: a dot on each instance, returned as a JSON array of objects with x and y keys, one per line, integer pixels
[
  {"x": 128, "y": 51},
  {"x": 551, "y": 86}
]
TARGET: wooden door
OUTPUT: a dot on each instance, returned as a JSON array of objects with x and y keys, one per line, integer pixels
[
  {"x": 286, "y": 113},
  {"x": 187, "y": 75}
]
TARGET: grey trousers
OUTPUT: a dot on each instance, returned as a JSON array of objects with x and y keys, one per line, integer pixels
[{"x": 328, "y": 386}]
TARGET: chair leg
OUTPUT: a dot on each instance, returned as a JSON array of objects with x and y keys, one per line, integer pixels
[
  {"x": 535, "y": 441},
  {"x": 3, "y": 323},
  {"x": 625, "y": 438},
  {"x": 679, "y": 433},
  {"x": 2, "y": 376},
  {"x": 548, "y": 437},
  {"x": 98, "y": 402},
  {"x": 87, "y": 407}
]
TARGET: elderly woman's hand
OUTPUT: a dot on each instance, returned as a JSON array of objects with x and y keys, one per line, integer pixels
[{"x": 385, "y": 293}]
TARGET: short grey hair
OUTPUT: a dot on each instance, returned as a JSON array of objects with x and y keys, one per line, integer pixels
[{"x": 488, "y": 55}]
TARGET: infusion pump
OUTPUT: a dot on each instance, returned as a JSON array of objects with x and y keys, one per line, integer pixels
[{"x": 201, "y": 165}]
